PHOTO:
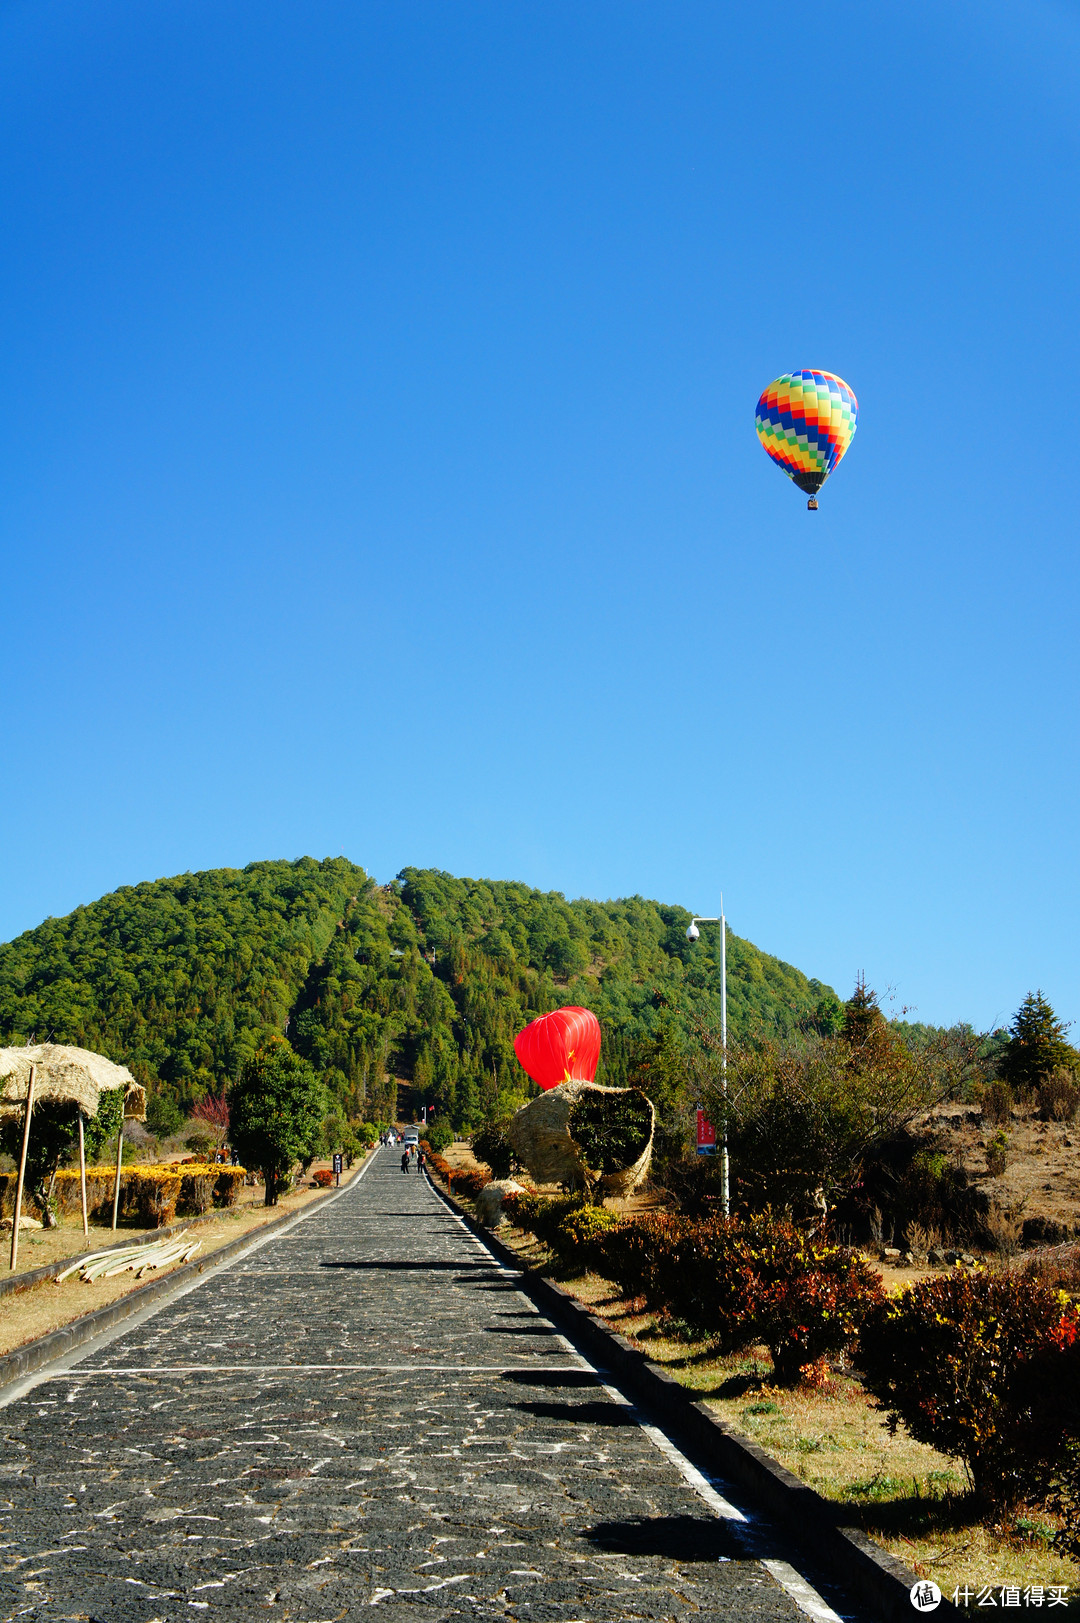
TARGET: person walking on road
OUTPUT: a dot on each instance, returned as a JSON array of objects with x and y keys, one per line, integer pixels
[
  {"x": 421, "y": 1161},
  {"x": 405, "y": 1162}
]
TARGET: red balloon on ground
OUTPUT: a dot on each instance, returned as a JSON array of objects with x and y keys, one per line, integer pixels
[{"x": 563, "y": 1046}]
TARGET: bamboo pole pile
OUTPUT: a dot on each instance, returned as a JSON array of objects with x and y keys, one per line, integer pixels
[{"x": 139, "y": 1259}]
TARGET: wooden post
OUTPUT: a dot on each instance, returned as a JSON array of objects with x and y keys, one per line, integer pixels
[
  {"x": 119, "y": 1164},
  {"x": 22, "y": 1171},
  {"x": 82, "y": 1178}
]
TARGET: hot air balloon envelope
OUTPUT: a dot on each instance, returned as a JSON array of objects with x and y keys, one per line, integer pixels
[
  {"x": 563, "y": 1046},
  {"x": 806, "y": 421}
]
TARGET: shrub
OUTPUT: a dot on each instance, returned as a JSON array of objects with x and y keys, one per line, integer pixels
[
  {"x": 152, "y": 1194},
  {"x": 950, "y": 1358},
  {"x": 1043, "y": 1231},
  {"x": 492, "y": 1146},
  {"x": 440, "y": 1133},
  {"x": 695, "y": 1272},
  {"x": 457, "y": 1181},
  {"x": 997, "y": 1155},
  {"x": 811, "y": 1296},
  {"x": 997, "y": 1103},
  {"x": 469, "y": 1183},
  {"x": 741, "y": 1283},
  {"x": 579, "y": 1229},
  {"x": 1057, "y": 1096},
  {"x": 323, "y": 1177},
  {"x": 1002, "y": 1228},
  {"x": 738, "y": 1283},
  {"x": 693, "y": 1182},
  {"x": 201, "y": 1138},
  {"x": 566, "y": 1226}
]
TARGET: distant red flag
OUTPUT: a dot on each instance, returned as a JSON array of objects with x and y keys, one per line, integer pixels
[{"x": 563, "y": 1046}]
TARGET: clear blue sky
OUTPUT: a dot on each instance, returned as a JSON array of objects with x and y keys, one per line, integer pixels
[{"x": 378, "y": 471}]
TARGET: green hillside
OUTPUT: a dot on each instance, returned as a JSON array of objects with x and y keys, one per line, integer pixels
[{"x": 426, "y": 979}]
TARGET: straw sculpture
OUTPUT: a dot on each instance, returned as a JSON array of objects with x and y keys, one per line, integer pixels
[{"x": 541, "y": 1135}]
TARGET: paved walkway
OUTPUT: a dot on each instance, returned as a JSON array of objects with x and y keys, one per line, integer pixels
[{"x": 363, "y": 1411}]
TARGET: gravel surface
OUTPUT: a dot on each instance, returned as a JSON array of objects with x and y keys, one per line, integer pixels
[{"x": 362, "y": 1411}]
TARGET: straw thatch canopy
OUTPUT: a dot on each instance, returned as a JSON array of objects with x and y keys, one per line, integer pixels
[
  {"x": 64, "y": 1075},
  {"x": 541, "y": 1135}
]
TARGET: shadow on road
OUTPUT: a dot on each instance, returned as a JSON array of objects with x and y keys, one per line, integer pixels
[
  {"x": 678, "y": 1538},
  {"x": 580, "y": 1414},
  {"x": 520, "y": 1330}
]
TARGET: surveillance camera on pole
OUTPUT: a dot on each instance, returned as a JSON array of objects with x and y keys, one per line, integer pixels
[{"x": 693, "y": 933}]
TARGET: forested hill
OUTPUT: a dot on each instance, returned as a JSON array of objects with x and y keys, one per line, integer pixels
[{"x": 428, "y": 978}]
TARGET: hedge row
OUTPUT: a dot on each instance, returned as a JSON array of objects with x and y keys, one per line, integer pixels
[
  {"x": 738, "y": 1283},
  {"x": 984, "y": 1367},
  {"x": 149, "y": 1195},
  {"x": 461, "y": 1183}
]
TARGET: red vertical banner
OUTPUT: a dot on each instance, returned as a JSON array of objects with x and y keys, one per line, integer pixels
[{"x": 706, "y": 1134}]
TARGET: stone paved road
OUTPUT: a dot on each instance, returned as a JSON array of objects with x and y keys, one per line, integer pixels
[{"x": 363, "y": 1411}]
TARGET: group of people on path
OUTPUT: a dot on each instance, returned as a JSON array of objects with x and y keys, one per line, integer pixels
[
  {"x": 421, "y": 1158},
  {"x": 391, "y": 1137}
]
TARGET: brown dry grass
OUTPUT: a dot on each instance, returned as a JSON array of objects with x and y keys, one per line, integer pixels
[
  {"x": 1042, "y": 1174},
  {"x": 27, "y": 1314}
]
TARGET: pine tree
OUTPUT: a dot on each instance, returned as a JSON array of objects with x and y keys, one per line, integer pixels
[
  {"x": 862, "y": 1016},
  {"x": 1036, "y": 1045}
]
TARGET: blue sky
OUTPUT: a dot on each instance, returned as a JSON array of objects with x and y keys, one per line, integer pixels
[{"x": 378, "y": 470}]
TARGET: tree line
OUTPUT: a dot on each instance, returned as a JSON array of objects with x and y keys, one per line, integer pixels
[{"x": 425, "y": 980}]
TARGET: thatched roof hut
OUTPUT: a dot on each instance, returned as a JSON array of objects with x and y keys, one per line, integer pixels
[{"x": 65, "y": 1075}]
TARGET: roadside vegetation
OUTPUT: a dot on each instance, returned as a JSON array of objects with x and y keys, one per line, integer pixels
[{"x": 931, "y": 1385}]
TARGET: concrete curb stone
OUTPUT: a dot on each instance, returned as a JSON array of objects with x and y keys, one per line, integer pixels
[{"x": 878, "y": 1578}]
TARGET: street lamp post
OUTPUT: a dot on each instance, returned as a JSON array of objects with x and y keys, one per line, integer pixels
[{"x": 692, "y": 934}]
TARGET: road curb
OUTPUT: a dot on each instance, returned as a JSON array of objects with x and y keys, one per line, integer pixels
[
  {"x": 877, "y": 1578},
  {"x": 23, "y": 1361}
]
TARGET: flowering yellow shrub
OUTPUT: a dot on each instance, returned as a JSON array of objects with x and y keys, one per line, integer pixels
[{"x": 151, "y": 1194}]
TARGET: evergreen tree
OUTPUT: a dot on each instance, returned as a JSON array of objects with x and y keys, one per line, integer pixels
[
  {"x": 658, "y": 1066},
  {"x": 276, "y": 1110},
  {"x": 1036, "y": 1045}
]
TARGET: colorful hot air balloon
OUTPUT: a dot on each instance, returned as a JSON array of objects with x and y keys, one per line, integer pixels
[
  {"x": 806, "y": 421},
  {"x": 563, "y": 1046}
]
